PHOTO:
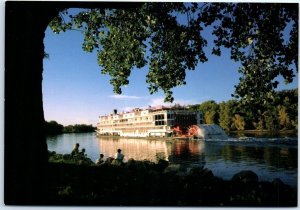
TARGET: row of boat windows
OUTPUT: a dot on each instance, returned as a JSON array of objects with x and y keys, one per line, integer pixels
[
  {"x": 156, "y": 117},
  {"x": 126, "y": 120},
  {"x": 157, "y": 122},
  {"x": 128, "y": 125},
  {"x": 169, "y": 122},
  {"x": 140, "y": 130}
]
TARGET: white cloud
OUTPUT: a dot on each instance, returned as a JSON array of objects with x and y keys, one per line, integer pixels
[{"x": 124, "y": 97}]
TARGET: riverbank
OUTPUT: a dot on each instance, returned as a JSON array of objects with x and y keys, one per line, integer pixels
[
  {"x": 143, "y": 183},
  {"x": 263, "y": 133}
]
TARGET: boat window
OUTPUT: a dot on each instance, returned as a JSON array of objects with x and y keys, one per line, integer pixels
[
  {"x": 159, "y": 122},
  {"x": 159, "y": 117}
]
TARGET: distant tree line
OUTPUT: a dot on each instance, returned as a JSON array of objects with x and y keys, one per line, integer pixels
[
  {"x": 232, "y": 115},
  {"x": 53, "y": 127},
  {"x": 78, "y": 128}
]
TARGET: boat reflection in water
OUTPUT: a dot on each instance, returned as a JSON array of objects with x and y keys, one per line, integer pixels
[
  {"x": 188, "y": 154},
  {"x": 266, "y": 158},
  {"x": 269, "y": 158},
  {"x": 179, "y": 152},
  {"x": 138, "y": 149}
]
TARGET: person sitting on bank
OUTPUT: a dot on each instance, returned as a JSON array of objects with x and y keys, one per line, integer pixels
[
  {"x": 75, "y": 150},
  {"x": 119, "y": 156},
  {"x": 100, "y": 160},
  {"x": 82, "y": 154}
]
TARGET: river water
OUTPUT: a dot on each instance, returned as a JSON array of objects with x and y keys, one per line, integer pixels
[{"x": 269, "y": 158}]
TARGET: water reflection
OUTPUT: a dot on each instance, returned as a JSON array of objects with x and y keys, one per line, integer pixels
[
  {"x": 142, "y": 149},
  {"x": 138, "y": 149},
  {"x": 279, "y": 157},
  {"x": 269, "y": 158},
  {"x": 188, "y": 152}
]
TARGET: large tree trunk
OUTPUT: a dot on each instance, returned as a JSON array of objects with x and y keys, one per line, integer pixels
[{"x": 26, "y": 155}]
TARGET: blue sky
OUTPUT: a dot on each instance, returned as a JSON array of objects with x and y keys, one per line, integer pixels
[{"x": 75, "y": 91}]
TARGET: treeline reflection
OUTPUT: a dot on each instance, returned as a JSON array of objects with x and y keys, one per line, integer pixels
[
  {"x": 279, "y": 157},
  {"x": 197, "y": 152}
]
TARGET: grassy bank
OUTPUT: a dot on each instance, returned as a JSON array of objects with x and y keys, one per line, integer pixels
[{"x": 143, "y": 183}]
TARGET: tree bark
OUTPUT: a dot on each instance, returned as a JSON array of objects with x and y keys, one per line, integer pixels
[{"x": 26, "y": 155}]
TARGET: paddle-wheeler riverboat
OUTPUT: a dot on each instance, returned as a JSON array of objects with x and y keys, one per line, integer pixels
[
  {"x": 176, "y": 121},
  {"x": 153, "y": 121}
]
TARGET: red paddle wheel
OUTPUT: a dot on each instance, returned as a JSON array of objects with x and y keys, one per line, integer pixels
[
  {"x": 178, "y": 130},
  {"x": 185, "y": 132}
]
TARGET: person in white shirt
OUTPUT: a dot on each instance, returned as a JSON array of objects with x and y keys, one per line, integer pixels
[{"x": 119, "y": 156}]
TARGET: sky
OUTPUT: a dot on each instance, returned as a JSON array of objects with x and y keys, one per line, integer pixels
[{"x": 75, "y": 91}]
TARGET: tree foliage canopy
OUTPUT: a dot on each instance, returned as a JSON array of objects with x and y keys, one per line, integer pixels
[
  {"x": 168, "y": 38},
  {"x": 233, "y": 115},
  {"x": 264, "y": 38}
]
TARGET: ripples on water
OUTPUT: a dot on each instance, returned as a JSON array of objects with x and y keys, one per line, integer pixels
[{"x": 268, "y": 157}]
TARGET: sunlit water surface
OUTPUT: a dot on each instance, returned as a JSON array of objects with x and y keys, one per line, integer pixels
[{"x": 269, "y": 158}]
